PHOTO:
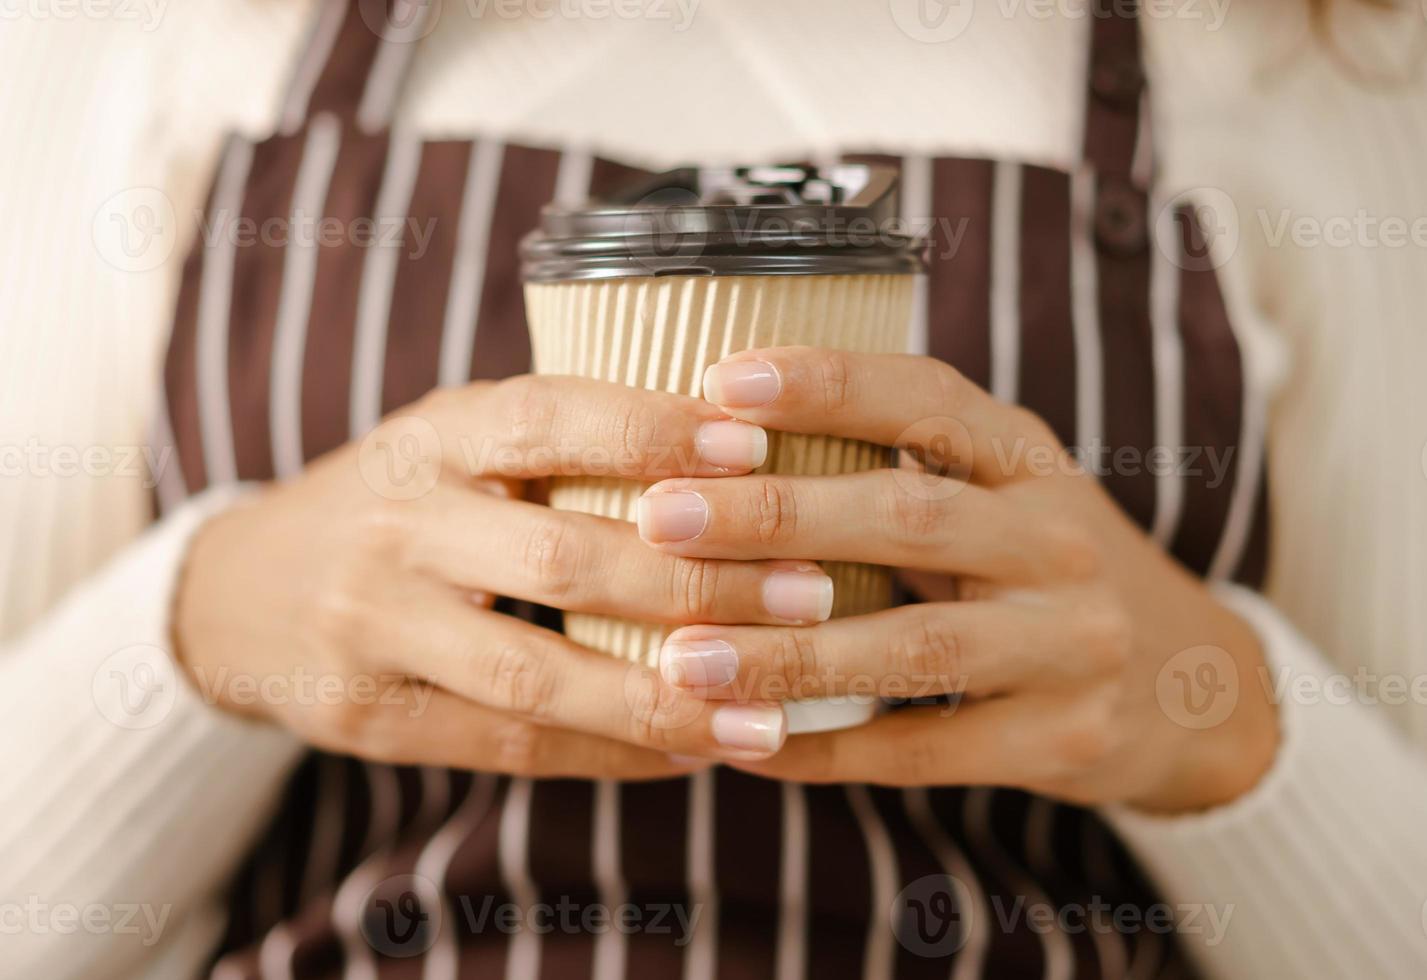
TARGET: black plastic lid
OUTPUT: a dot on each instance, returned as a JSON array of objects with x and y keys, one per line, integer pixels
[{"x": 730, "y": 221}]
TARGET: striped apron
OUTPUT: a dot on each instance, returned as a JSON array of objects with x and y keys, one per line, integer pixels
[{"x": 1053, "y": 296}]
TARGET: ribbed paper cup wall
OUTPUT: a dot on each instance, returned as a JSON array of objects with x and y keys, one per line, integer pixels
[{"x": 661, "y": 333}]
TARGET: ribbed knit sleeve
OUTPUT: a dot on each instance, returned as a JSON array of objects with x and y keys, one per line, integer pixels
[
  {"x": 1321, "y": 870},
  {"x": 124, "y": 797}
]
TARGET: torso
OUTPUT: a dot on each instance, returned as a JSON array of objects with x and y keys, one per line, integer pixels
[{"x": 1053, "y": 297}]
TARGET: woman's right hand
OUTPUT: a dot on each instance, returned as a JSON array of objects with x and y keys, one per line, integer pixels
[{"x": 352, "y": 604}]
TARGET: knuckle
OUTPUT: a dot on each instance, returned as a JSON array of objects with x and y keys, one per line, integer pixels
[
  {"x": 794, "y": 661},
  {"x": 1032, "y": 426},
  {"x": 834, "y": 378},
  {"x": 696, "y": 589},
  {"x": 531, "y": 404},
  {"x": 339, "y": 608},
  {"x": 1107, "y": 636},
  {"x": 775, "y": 512},
  {"x": 655, "y": 714},
  {"x": 521, "y": 680},
  {"x": 911, "y": 517},
  {"x": 1077, "y": 552},
  {"x": 515, "y": 747},
  {"x": 946, "y": 388},
  {"x": 929, "y": 652},
  {"x": 1089, "y": 740},
  {"x": 633, "y": 430},
  {"x": 554, "y": 557},
  {"x": 343, "y": 726},
  {"x": 385, "y": 532},
  {"x": 918, "y": 763}
]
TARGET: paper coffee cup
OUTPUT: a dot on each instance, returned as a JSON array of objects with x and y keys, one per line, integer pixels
[{"x": 698, "y": 300}]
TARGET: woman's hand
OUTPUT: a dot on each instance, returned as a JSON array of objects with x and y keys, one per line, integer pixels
[
  {"x": 351, "y": 604},
  {"x": 1066, "y": 615}
]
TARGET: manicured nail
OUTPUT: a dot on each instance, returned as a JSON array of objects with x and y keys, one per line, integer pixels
[
  {"x": 741, "y": 384},
  {"x": 730, "y": 443},
  {"x": 698, "y": 663},
  {"x": 750, "y": 728},
  {"x": 799, "y": 597},
  {"x": 674, "y": 515}
]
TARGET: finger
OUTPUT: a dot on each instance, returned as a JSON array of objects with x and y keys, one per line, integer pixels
[
  {"x": 433, "y": 727},
  {"x": 1027, "y": 742},
  {"x": 533, "y": 426},
  {"x": 918, "y": 404},
  {"x": 581, "y": 563},
  {"x": 870, "y": 517},
  {"x": 515, "y": 667},
  {"x": 916, "y": 651}
]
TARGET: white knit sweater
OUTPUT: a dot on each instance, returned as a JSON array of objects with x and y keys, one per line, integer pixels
[{"x": 113, "y": 112}]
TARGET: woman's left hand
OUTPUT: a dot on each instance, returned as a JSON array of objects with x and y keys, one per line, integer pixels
[{"x": 1065, "y": 618}]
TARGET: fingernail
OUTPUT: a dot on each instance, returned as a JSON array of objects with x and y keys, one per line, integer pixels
[
  {"x": 750, "y": 728},
  {"x": 741, "y": 384},
  {"x": 675, "y": 515},
  {"x": 800, "y": 597},
  {"x": 730, "y": 443},
  {"x": 698, "y": 663}
]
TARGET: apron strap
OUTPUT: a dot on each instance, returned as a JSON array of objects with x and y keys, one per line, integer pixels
[
  {"x": 1114, "y": 142},
  {"x": 354, "y": 61}
]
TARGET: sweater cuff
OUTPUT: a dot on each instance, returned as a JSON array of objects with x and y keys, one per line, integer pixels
[
  {"x": 120, "y": 784},
  {"x": 1321, "y": 869}
]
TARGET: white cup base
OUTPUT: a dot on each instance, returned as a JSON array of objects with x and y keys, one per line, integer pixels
[{"x": 828, "y": 714}]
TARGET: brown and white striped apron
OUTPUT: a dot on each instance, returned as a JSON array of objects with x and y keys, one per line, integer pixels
[{"x": 1055, "y": 298}]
